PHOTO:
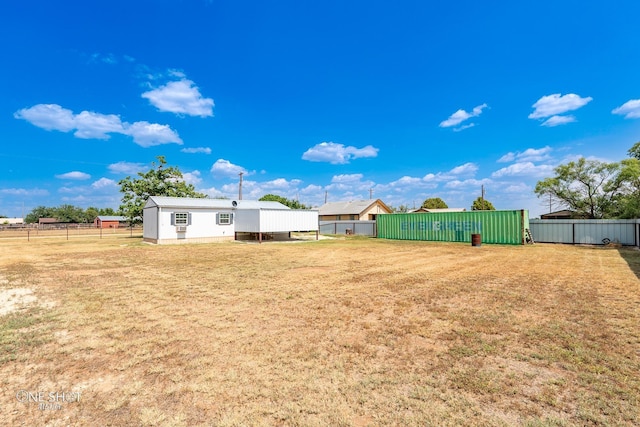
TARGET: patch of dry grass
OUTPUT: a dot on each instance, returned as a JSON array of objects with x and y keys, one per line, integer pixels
[{"x": 354, "y": 332}]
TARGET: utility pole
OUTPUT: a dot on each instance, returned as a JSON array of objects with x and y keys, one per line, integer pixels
[
  {"x": 240, "y": 186},
  {"x": 370, "y": 193},
  {"x": 482, "y": 197},
  {"x": 326, "y": 193}
]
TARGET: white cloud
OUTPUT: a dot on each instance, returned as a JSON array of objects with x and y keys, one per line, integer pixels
[
  {"x": 194, "y": 150},
  {"x": 95, "y": 125},
  {"x": 126, "y": 168},
  {"x": 523, "y": 169},
  {"x": 630, "y": 109},
  {"x": 104, "y": 183},
  {"x": 192, "y": 177},
  {"x": 225, "y": 168},
  {"x": 353, "y": 177},
  {"x": 147, "y": 134},
  {"x": 281, "y": 184},
  {"x": 456, "y": 183},
  {"x": 518, "y": 188},
  {"x": 69, "y": 190},
  {"x": 48, "y": 116},
  {"x": 406, "y": 181},
  {"x": 312, "y": 189},
  {"x": 552, "y": 105},
  {"x": 467, "y": 168},
  {"x": 460, "y": 116},
  {"x": 109, "y": 58},
  {"x": 213, "y": 192},
  {"x": 461, "y": 128},
  {"x": 535, "y": 154},
  {"x": 337, "y": 154},
  {"x": 528, "y": 155},
  {"x": 180, "y": 97},
  {"x": 509, "y": 157},
  {"x": 24, "y": 192},
  {"x": 350, "y": 184},
  {"x": 558, "y": 120},
  {"x": 76, "y": 175}
]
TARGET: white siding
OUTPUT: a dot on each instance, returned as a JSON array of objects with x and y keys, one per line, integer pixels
[
  {"x": 275, "y": 221},
  {"x": 150, "y": 223},
  {"x": 248, "y": 220},
  {"x": 203, "y": 224},
  {"x": 283, "y": 221}
]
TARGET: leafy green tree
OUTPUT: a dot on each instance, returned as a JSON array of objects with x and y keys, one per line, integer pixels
[
  {"x": 293, "y": 204},
  {"x": 634, "y": 151},
  {"x": 40, "y": 212},
  {"x": 481, "y": 204},
  {"x": 434, "y": 203},
  {"x": 90, "y": 214},
  {"x": 69, "y": 213},
  {"x": 401, "y": 209},
  {"x": 160, "y": 180},
  {"x": 588, "y": 187},
  {"x": 107, "y": 211},
  {"x": 627, "y": 202}
]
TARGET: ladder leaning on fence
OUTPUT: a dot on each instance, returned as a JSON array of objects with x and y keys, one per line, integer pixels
[{"x": 528, "y": 238}]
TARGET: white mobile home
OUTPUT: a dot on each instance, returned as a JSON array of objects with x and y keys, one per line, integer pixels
[{"x": 182, "y": 220}]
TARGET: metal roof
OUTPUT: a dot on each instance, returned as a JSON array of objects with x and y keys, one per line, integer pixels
[
  {"x": 355, "y": 207},
  {"x": 111, "y": 218},
  {"x": 258, "y": 204},
  {"x": 188, "y": 202}
]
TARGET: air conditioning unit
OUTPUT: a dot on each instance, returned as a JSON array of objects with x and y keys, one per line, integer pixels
[{"x": 181, "y": 228}]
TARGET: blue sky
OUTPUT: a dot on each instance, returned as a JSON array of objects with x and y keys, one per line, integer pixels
[{"x": 409, "y": 99}]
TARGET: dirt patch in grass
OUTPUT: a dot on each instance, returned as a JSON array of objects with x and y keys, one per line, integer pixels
[{"x": 353, "y": 332}]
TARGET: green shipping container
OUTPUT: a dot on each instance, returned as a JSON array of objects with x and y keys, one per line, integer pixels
[{"x": 503, "y": 227}]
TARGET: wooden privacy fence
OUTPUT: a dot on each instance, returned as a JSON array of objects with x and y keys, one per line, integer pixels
[
  {"x": 362, "y": 228},
  {"x": 586, "y": 231}
]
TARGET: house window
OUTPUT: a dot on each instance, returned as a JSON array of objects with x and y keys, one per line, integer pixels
[
  {"x": 181, "y": 218},
  {"x": 224, "y": 218}
]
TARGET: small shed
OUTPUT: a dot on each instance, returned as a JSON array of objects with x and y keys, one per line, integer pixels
[
  {"x": 182, "y": 220},
  {"x": 110, "y": 221}
]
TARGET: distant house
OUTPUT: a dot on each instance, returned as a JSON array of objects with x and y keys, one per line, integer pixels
[
  {"x": 440, "y": 210},
  {"x": 110, "y": 221},
  {"x": 360, "y": 210},
  {"x": 11, "y": 221},
  {"x": 563, "y": 214},
  {"x": 48, "y": 221}
]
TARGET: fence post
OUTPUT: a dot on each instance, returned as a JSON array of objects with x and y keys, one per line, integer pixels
[
  {"x": 28, "y": 238},
  {"x": 67, "y": 232}
]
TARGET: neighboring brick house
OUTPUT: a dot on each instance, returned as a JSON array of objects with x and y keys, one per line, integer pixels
[{"x": 360, "y": 210}]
